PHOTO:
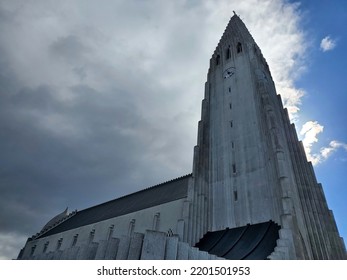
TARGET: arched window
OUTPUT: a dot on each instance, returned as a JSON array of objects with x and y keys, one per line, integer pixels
[
  {"x": 218, "y": 59},
  {"x": 239, "y": 47}
]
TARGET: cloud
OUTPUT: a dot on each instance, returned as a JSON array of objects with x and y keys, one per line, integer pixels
[
  {"x": 327, "y": 44},
  {"x": 334, "y": 145},
  {"x": 284, "y": 50},
  {"x": 9, "y": 245},
  {"x": 97, "y": 101},
  {"x": 310, "y": 130}
]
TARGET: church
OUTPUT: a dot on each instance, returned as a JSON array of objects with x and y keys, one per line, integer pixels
[{"x": 251, "y": 195}]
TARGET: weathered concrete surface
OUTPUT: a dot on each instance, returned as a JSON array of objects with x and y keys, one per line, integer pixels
[
  {"x": 112, "y": 248},
  {"x": 123, "y": 248},
  {"x": 135, "y": 247},
  {"x": 171, "y": 248},
  {"x": 153, "y": 246}
]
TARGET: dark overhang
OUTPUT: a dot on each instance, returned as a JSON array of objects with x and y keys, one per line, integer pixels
[{"x": 250, "y": 242}]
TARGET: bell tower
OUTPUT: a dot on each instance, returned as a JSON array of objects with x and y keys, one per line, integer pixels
[{"x": 249, "y": 167}]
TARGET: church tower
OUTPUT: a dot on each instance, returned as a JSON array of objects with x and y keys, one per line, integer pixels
[{"x": 249, "y": 168}]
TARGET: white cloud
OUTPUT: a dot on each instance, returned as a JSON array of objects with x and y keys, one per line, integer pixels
[
  {"x": 310, "y": 130},
  {"x": 334, "y": 145},
  {"x": 327, "y": 44},
  {"x": 276, "y": 28}
]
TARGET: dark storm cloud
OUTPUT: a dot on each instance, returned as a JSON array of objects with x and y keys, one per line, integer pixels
[
  {"x": 42, "y": 170},
  {"x": 90, "y": 108},
  {"x": 70, "y": 47}
]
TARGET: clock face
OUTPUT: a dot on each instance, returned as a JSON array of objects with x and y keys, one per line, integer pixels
[{"x": 229, "y": 72}]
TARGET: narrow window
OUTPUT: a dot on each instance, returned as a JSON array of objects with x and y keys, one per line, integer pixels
[
  {"x": 228, "y": 53},
  {"x": 229, "y": 89},
  {"x": 232, "y": 144},
  {"x": 32, "y": 250},
  {"x": 110, "y": 232},
  {"x": 91, "y": 236},
  {"x": 60, "y": 241},
  {"x": 156, "y": 220},
  {"x": 235, "y": 195},
  {"x": 218, "y": 59},
  {"x": 74, "y": 241},
  {"x": 131, "y": 227},
  {"x": 234, "y": 168},
  {"x": 230, "y": 106},
  {"x": 231, "y": 123},
  {"x": 239, "y": 47},
  {"x": 45, "y": 247}
]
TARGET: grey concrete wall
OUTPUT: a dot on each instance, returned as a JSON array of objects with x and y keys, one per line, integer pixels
[{"x": 152, "y": 245}]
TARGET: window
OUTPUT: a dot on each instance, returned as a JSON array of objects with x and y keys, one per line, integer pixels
[
  {"x": 45, "y": 247},
  {"x": 230, "y": 106},
  {"x": 131, "y": 227},
  {"x": 231, "y": 123},
  {"x": 32, "y": 250},
  {"x": 156, "y": 220},
  {"x": 74, "y": 241},
  {"x": 235, "y": 196},
  {"x": 229, "y": 89},
  {"x": 91, "y": 236},
  {"x": 218, "y": 59},
  {"x": 239, "y": 47},
  {"x": 234, "y": 168},
  {"x": 110, "y": 232},
  {"x": 60, "y": 241},
  {"x": 232, "y": 144},
  {"x": 228, "y": 53}
]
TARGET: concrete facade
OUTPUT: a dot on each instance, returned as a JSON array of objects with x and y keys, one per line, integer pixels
[{"x": 249, "y": 168}]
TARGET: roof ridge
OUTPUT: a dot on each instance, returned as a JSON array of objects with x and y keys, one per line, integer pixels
[
  {"x": 165, "y": 182},
  {"x": 139, "y": 191},
  {"x": 151, "y": 187}
]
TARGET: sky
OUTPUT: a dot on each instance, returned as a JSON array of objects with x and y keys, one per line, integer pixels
[{"x": 99, "y": 99}]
